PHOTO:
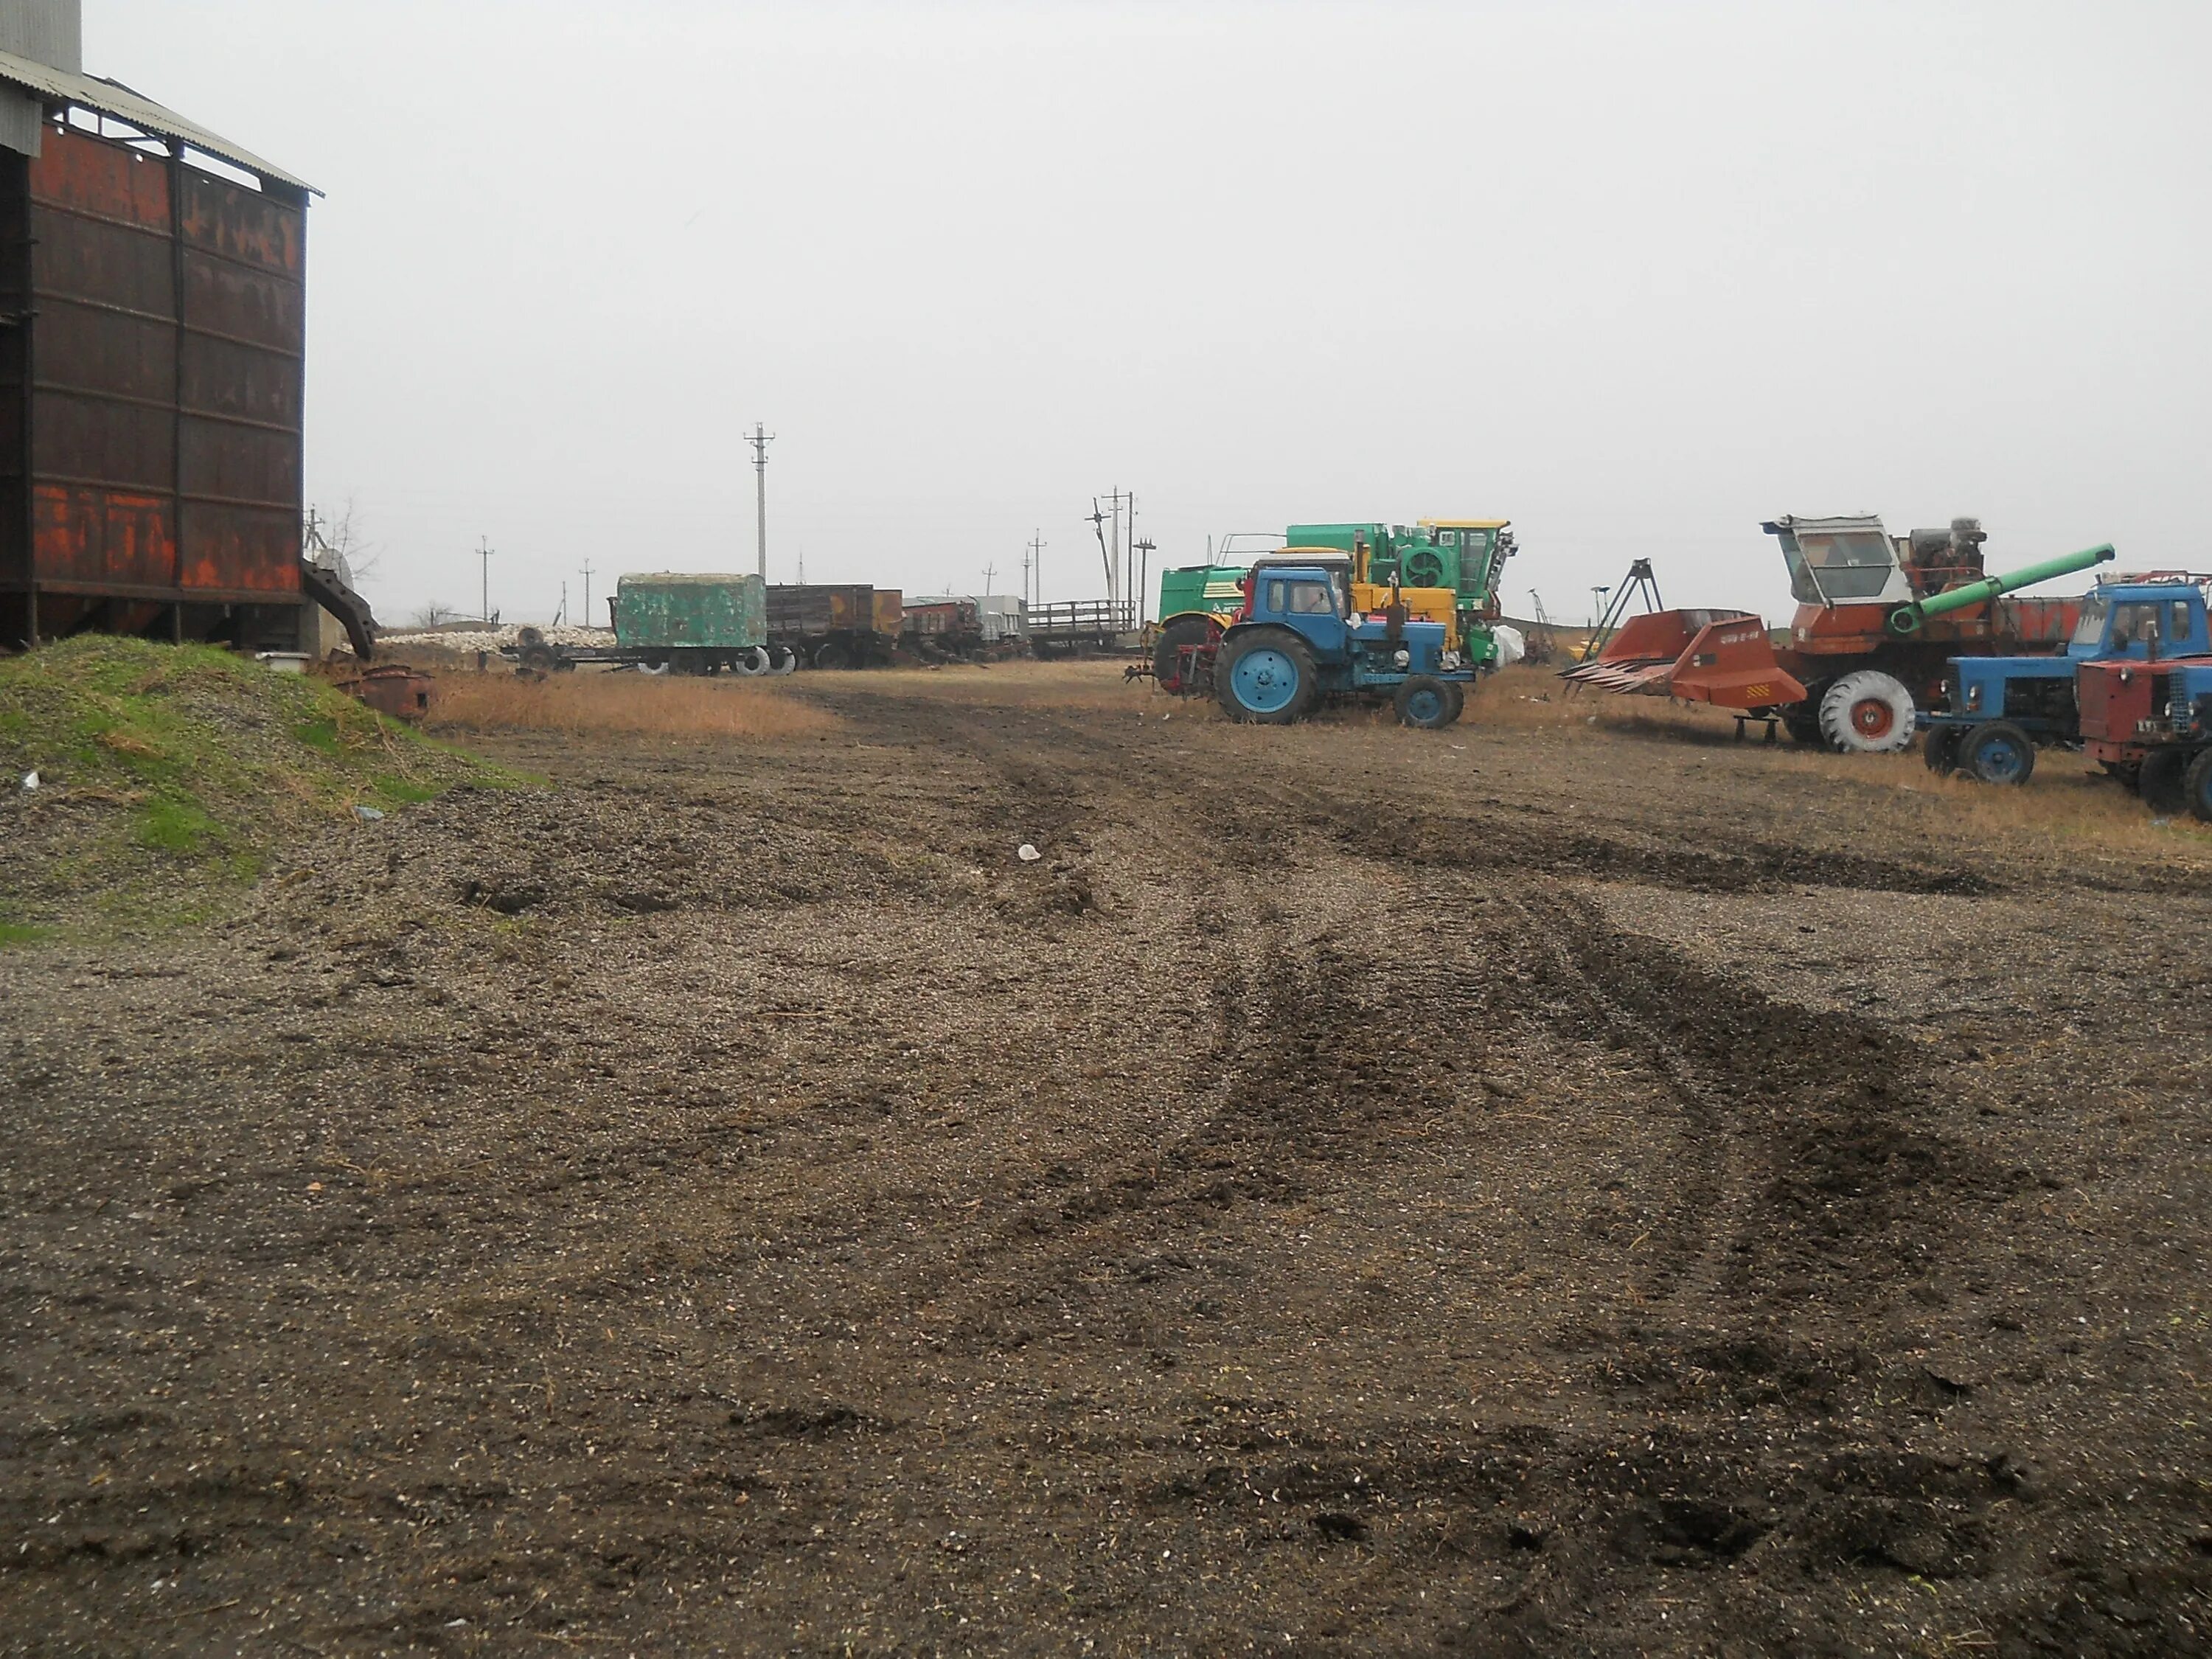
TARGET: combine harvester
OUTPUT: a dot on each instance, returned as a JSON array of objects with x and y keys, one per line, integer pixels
[{"x": 1878, "y": 619}]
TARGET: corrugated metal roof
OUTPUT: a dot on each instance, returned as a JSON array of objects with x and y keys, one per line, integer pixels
[{"x": 113, "y": 98}]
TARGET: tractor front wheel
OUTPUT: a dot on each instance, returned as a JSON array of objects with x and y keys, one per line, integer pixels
[
  {"x": 2162, "y": 783},
  {"x": 1999, "y": 752},
  {"x": 1424, "y": 703},
  {"x": 1267, "y": 677},
  {"x": 1458, "y": 689}
]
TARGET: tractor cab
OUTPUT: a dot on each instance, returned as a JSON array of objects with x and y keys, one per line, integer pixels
[{"x": 2138, "y": 620}]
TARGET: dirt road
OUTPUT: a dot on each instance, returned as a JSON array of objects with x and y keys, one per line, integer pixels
[{"x": 1359, "y": 1192}]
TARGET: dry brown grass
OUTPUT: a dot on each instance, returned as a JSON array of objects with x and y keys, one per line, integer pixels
[
  {"x": 2068, "y": 804},
  {"x": 631, "y": 705}
]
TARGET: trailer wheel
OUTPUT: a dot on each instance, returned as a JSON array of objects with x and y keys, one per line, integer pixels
[
  {"x": 536, "y": 657},
  {"x": 833, "y": 656},
  {"x": 1868, "y": 713},
  {"x": 2162, "y": 783},
  {"x": 1999, "y": 752},
  {"x": 786, "y": 661},
  {"x": 2197, "y": 784},
  {"x": 751, "y": 663},
  {"x": 1167, "y": 652},
  {"x": 1268, "y": 677},
  {"x": 1941, "y": 753},
  {"x": 1423, "y": 702}
]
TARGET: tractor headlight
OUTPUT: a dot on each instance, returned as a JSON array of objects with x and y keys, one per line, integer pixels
[{"x": 1403, "y": 659}]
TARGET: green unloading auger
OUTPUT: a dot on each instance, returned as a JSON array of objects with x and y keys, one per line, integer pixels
[{"x": 1907, "y": 618}]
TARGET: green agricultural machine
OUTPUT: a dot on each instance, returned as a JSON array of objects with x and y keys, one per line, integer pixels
[{"x": 1443, "y": 570}]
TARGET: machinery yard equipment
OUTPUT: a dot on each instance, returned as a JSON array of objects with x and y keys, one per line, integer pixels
[
  {"x": 2132, "y": 689},
  {"x": 1878, "y": 619},
  {"x": 938, "y": 630},
  {"x": 1296, "y": 644},
  {"x": 836, "y": 625},
  {"x": 1068, "y": 626},
  {"x": 670, "y": 621},
  {"x": 1445, "y": 570}
]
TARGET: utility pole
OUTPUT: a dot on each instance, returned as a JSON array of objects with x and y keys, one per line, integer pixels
[
  {"x": 484, "y": 553},
  {"x": 586, "y": 573},
  {"x": 1144, "y": 550},
  {"x": 561, "y": 615},
  {"x": 1099, "y": 529},
  {"x": 760, "y": 441},
  {"x": 1116, "y": 574},
  {"x": 1033, "y": 558},
  {"x": 989, "y": 571}
]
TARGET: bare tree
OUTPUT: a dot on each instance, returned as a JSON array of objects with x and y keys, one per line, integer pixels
[
  {"x": 336, "y": 533},
  {"x": 434, "y": 616}
]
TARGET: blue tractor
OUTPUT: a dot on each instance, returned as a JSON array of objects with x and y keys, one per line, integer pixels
[
  {"x": 1998, "y": 711},
  {"x": 1297, "y": 643}
]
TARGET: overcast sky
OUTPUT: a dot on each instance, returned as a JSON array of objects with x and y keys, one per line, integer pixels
[{"x": 1635, "y": 277}]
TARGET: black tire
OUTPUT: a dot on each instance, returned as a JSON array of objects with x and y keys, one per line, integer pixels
[
  {"x": 2163, "y": 782},
  {"x": 536, "y": 656},
  {"x": 2197, "y": 785},
  {"x": 1303, "y": 691},
  {"x": 832, "y": 656},
  {"x": 1458, "y": 689},
  {"x": 1167, "y": 652},
  {"x": 1941, "y": 751},
  {"x": 1423, "y": 702},
  {"x": 1802, "y": 720},
  {"x": 1999, "y": 752}
]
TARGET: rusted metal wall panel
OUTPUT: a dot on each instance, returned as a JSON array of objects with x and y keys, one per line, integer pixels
[{"x": 158, "y": 438}]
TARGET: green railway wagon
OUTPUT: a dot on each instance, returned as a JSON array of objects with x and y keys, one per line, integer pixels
[{"x": 675, "y": 612}]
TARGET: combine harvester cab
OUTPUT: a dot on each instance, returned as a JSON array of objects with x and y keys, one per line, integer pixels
[{"x": 1879, "y": 618}]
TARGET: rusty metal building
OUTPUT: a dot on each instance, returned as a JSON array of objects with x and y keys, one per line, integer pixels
[{"x": 153, "y": 328}]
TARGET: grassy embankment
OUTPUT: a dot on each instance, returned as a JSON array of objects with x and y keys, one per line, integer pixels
[{"x": 168, "y": 773}]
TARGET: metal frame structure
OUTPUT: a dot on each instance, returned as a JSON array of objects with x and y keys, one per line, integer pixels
[{"x": 153, "y": 335}]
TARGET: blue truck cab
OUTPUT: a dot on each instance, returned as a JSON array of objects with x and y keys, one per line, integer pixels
[
  {"x": 1997, "y": 711},
  {"x": 1298, "y": 642}
]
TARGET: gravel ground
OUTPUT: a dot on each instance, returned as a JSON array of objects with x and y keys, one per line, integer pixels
[{"x": 1360, "y": 1192}]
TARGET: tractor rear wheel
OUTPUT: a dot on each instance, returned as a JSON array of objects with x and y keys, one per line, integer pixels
[
  {"x": 1458, "y": 689},
  {"x": 1267, "y": 677},
  {"x": 2162, "y": 783},
  {"x": 1999, "y": 752},
  {"x": 1868, "y": 713},
  {"x": 1167, "y": 654},
  {"x": 1423, "y": 702},
  {"x": 2197, "y": 784},
  {"x": 1941, "y": 753}
]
